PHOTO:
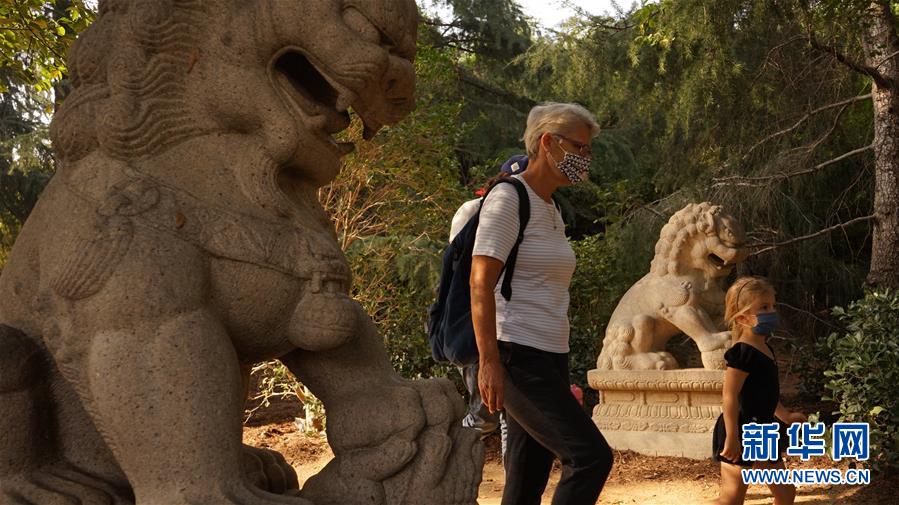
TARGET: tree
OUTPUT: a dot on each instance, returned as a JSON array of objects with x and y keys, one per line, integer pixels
[
  {"x": 874, "y": 26},
  {"x": 486, "y": 37},
  {"x": 491, "y": 30},
  {"x": 781, "y": 110},
  {"x": 34, "y": 38}
]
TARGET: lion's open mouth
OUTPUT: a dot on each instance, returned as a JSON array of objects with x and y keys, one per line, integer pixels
[
  {"x": 317, "y": 97},
  {"x": 717, "y": 261}
]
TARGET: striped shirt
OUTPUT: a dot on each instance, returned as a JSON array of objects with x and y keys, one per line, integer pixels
[{"x": 537, "y": 313}]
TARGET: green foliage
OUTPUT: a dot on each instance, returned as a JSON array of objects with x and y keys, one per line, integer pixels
[
  {"x": 864, "y": 371},
  {"x": 487, "y": 29},
  {"x": 273, "y": 381},
  {"x": 25, "y": 165},
  {"x": 694, "y": 96},
  {"x": 485, "y": 37},
  {"x": 403, "y": 182},
  {"x": 395, "y": 279},
  {"x": 393, "y": 202},
  {"x": 35, "y": 36},
  {"x": 596, "y": 286}
]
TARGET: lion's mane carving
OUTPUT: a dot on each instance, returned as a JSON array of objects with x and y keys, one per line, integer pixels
[
  {"x": 181, "y": 241},
  {"x": 129, "y": 78},
  {"x": 682, "y": 292}
]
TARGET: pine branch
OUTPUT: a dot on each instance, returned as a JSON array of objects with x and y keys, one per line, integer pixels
[
  {"x": 872, "y": 72},
  {"x": 483, "y": 86},
  {"x": 614, "y": 28},
  {"x": 765, "y": 247},
  {"x": 886, "y": 59},
  {"x": 804, "y": 119},
  {"x": 739, "y": 180}
]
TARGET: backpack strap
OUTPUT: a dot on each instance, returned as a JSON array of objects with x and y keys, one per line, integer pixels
[{"x": 524, "y": 215}]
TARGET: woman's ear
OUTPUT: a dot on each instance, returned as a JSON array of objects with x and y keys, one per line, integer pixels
[{"x": 546, "y": 141}]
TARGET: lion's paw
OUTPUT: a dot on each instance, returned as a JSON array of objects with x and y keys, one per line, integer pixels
[
  {"x": 714, "y": 360},
  {"x": 446, "y": 471},
  {"x": 714, "y": 341},
  {"x": 268, "y": 470},
  {"x": 59, "y": 484},
  {"x": 441, "y": 402},
  {"x": 441, "y": 464},
  {"x": 665, "y": 361},
  {"x": 368, "y": 419},
  {"x": 651, "y": 361}
]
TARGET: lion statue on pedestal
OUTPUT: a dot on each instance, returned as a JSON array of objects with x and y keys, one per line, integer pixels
[
  {"x": 181, "y": 241},
  {"x": 682, "y": 293}
]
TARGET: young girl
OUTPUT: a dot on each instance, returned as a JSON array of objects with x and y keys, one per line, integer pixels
[{"x": 751, "y": 388}]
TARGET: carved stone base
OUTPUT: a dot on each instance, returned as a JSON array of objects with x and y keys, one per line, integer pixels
[{"x": 658, "y": 412}]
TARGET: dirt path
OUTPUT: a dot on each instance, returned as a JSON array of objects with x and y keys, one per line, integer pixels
[
  {"x": 678, "y": 491},
  {"x": 635, "y": 479}
]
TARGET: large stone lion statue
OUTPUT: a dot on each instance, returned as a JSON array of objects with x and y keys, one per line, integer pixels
[
  {"x": 682, "y": 293},
  {"x": 181, "y": 241}
]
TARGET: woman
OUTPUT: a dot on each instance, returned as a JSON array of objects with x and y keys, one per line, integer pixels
[{"x": 523, "y": 342}]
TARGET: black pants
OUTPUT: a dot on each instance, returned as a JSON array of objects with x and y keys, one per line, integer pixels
[{"x": 546, "y": 422}]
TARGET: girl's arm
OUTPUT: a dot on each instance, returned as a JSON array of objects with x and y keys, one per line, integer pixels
[
  {"x": 787, "y": 416},
  {"x": 733, "y": 383}
]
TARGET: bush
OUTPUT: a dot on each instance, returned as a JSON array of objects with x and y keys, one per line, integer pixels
[
  {"x": 598, "y": 283},
  {"x": 271, "y": 382},
  {"x": 396, "y": 277},
  {"x": 864, "y": 371}
]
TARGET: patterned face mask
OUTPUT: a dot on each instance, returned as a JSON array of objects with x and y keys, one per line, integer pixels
[{"x": 575, "y": 167}]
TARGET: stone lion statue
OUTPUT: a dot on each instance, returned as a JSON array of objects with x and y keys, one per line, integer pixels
[
  {"x": 682, "y": 293},
  {"x": 181, "y": 241}
]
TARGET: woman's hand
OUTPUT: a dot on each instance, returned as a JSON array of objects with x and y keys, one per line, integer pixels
[
  {"x": 490, "y": 383},
  {"x": 732, "y": 450}
]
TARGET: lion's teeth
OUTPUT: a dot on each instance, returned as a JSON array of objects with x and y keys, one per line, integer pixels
[{"x": 344, "y": 100}]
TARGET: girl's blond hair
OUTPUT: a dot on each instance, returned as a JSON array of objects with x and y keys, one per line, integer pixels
[{"x": 739, "y": 299}]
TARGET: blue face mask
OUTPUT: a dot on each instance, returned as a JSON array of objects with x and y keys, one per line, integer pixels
[{"x": 767, "y": 323}]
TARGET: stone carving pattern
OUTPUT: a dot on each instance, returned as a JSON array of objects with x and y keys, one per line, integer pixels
[
  {"x": 181, "y": 241},
  {"x": 682, "y": 292}
]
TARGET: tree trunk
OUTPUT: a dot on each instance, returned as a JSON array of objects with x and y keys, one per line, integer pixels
[{"x": 881, "y": 45}]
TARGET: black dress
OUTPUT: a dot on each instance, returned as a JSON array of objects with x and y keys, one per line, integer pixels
[{"x": 758, "y": 397}]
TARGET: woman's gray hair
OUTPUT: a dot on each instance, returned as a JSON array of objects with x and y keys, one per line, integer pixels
[{"x": 558, "y": 118}]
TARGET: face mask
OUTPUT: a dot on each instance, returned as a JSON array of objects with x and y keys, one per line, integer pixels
[
  {"x": 767, "y": 323},
  {"x": 575, "y": 167}
]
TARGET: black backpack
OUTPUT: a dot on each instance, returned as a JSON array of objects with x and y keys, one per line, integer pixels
[{"x": 450, "y": 331}]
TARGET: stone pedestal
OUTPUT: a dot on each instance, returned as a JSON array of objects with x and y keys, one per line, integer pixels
[{"x": 658, "y": 412}]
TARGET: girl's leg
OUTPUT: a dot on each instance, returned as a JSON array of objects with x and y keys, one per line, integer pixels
[
  {"x": 784, "y": 494},
  {"x": 733, "y": 491}
]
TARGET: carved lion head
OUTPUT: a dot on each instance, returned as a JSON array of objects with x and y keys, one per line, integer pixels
[
  {"x": 281, "y": 75},
  {"x": 700, "y": 237}
]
